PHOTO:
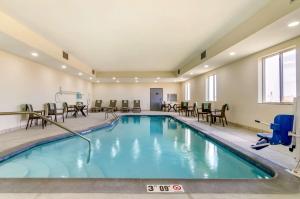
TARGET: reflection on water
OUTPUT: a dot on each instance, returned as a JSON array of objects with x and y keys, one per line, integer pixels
[
  {"x": 172, "y": 124},
  {"x": 136, "y": 149},
  {"x": 136, "y": 119},
  {"x": 156, "y": 126},
  {"x": 211, "y": 155}
]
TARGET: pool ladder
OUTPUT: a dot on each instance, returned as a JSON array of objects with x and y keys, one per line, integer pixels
[
  {"x": 113, "y": 114},
  {"x": 56, "y": 124}
]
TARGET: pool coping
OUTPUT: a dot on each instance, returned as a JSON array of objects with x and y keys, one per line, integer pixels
[{"x": 281, "y": 183}]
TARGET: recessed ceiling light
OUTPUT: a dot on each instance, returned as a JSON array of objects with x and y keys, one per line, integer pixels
[
  {"x": 91, "y": 78},
  {"x": 155, "y": 81},
  {"x": 136, "y": 78},
  {"x": 232, "y": 53},
  {"x": 293, "y": 24},
  {"x": 136, "y": 81},
  {"x": 191, "y": 73},
  {"x": 158, "y": 78},
  {"x": 63, "y": 66},
  {"x": 98, "y": 81},
  {"x": 118, "y": 81},
  {"x": 206, "y": 66},
  {"x": 34, "y": 54},
  {"x": 80, "y": 73},
  {"x": 114, "y": 78}
]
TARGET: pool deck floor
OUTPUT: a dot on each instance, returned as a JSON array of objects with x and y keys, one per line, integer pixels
[{"x": 238, "y": 136}]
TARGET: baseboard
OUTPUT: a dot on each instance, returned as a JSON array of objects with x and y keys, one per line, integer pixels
[
  {"x": 12, "y": 129},
  {"x": 250, "y": 128}
]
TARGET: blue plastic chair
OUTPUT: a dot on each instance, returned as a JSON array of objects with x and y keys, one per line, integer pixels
[{"x": 283, "y": 124}]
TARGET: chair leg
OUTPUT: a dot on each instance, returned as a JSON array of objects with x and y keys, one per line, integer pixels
[
  {"x": 63, "y": 117},
  {"x": 226, "y": 121},
  {"x": 222, "y": 122},
  {"x": 55, "y": 118},
  {"x": 211, "y": 118},
  {"x": 67, "y": 115},
  {"x": 31, "y": 122},
  {"x": 198, "y": 118},
  {"x": 27, "y": 123}
]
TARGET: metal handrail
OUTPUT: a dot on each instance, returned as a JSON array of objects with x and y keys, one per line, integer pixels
[{"x": 55, "y": 123}]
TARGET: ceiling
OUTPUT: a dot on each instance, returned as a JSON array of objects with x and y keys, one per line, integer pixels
[{"x": 132, "y": 35}]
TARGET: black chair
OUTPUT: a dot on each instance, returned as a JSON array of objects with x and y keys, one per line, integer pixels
[
  {"x": 68, "y": 109},
  {"x": 204, "y": 111},
  {"x": 98, "y": 106},
  {"x": 53, "y": 111},
  {"x": 31, "y": 117},
  {"x": 219, "y": 114},
  {"x": 86, "y": 107},
  {"x": 183, "y": 107}
]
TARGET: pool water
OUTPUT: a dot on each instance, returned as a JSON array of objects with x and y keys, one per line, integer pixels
[{"x": 135, "y": 147}]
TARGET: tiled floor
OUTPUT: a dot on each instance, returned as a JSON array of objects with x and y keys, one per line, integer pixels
[{"x": 238, "y": 136}]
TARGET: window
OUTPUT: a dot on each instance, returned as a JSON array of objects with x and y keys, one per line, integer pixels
[
  {"x": 187, "y": 91},
  {"x": 279, "y": 77},
  {"x": 211, "y": 88}
]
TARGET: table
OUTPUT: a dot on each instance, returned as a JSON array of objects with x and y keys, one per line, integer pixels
[
  {"x": 79, "y": 109},
  {"x": 172, "y": 106}
]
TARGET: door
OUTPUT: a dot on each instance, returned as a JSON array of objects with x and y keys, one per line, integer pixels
[{"x": 156, "y": 96}]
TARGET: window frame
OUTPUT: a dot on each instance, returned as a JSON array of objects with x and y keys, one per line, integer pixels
[
  {"x": 280, "y": 53},
  {"x": 207, "y": 86}
]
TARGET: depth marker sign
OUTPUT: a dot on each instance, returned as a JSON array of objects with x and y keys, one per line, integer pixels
[{"x": 172, "y": 188}]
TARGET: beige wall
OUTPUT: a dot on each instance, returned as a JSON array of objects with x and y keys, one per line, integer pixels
[
  {"x": 237, "y": 85},
  {"x": 128, "y": 91},
  {"x": 23, "y": 81}
]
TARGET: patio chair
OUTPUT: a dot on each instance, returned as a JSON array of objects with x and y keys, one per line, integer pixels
[
  {"x": 31, "y": 117},
  {"x": 125, "y": 106},
  {"x": 136, "y": 106},
  {"x": 68, "y": 109},
  {"x": 183, "y": 107},
  {"x": 86, "y": 108},
  {"x": 192, "y": 110},
  {"x": 219, "y": 114},
  {"x": 98, "y": 106},
  {"x": 112, "y": 106},
  {"x": 54, "y": 111},
  {"x": 205, "y": 110}
]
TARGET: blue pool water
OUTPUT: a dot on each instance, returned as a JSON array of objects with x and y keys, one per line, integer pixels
[{"x": 135, "y": 147}]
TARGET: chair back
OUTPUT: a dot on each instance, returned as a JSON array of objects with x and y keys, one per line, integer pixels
[
  {"x": 51, "y": 107},
  {"x": 283, "y": 124},
  {"x": 113, "y": 103},
  {"x": 124, "y": 103},
  {"x": 98, "y": 103},
  {"x": 79, "y": 103},
  {"x": 206, "y": 107},
  {"x": 136, "y": 104},
  {"x": 29, "y": 108},
  {"x": 223, "y": 110},
  {"x": 184, "y": 105},
  {"x": 65, "y": 106}
]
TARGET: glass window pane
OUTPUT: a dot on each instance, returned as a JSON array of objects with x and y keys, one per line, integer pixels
[
  {"x": 211, "y": 88},
  {"x": 271, "y": 79},
  {"x": 289, "y": 75}
]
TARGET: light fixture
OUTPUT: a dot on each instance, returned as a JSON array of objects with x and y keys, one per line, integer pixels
[
  {"x": 118, "y": 81},
  {"x": 91, "y": 78},
  {"x": 206, "y": 66},
  {"x": 114, "y": 78},
  {"x": 293, "y": 24},
  {"x": 80, "y": 73},
  {"x": 98, "y": 81},
  {"x": 232, "y": 53},
  {"x": 136, "y": 78},
  {"x": 136, "y": 81},
  {"x": 191, "y": 73},
  {"x": 158, "y": 78},
  {"x": 155, "y": 81},
  {"x": 34, "y": 54},
  {"x": 63, "y": 66}
]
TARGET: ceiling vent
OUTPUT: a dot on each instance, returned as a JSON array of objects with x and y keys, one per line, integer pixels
[{"x": 65, "y": 55}]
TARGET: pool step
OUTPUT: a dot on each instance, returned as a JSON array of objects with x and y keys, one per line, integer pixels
[
  {"x": 37, "y": 169},
  {"x": 13, "y": 170}
]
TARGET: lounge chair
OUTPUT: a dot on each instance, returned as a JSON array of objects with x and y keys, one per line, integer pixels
[
  {"x": 125, "y": 106},
  {"x": 112, "y": 106},
  {"x": 86, "y": 107},
  {"x": 68, "y": 109},
  {"x": 219, "y": 114},
  {"x": 192, "y": 109},
  {"x": 204, "y": 111},
  {"x": 53, "y": 111},
  {"x": 32, "y": 117},
  {"x": 282, "y": 126},
  {"x": 98, "y": 106},
  {"x": 136, "y": 106}
]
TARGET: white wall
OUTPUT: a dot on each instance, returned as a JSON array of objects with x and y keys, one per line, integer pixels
[
  {"x": 23, "y": 81},
  {"x": 237, "y": 85},
  {"x": 131, "y": 91}
]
